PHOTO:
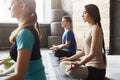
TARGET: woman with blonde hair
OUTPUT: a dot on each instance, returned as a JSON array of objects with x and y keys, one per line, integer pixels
[{"x": 26, "y": 42}]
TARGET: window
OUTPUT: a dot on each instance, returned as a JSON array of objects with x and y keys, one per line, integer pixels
[{"x": 41, "y": 9}]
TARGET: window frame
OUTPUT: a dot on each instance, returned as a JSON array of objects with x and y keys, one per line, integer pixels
[{"x": 45, "y": 15}]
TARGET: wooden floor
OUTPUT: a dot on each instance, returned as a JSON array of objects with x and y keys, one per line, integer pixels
[{"x": 54, "y": 73}]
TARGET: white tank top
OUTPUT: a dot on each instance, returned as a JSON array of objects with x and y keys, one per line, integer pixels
[{"x": 97, "y": 61}]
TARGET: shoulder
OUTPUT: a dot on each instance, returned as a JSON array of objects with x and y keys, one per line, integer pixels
[
  {"x": 24, "y": 32},
  {"x": 25, "y": 39},
  {"x": 96, "y": 30},
  {"x": 70, "y": 31}
]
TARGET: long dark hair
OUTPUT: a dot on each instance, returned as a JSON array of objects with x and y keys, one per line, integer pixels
[{"x": 93, "y": 11}]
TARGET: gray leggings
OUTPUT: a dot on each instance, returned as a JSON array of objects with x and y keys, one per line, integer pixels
[
  {"x": 79, "y": 73},
  {"x": 83, "y": 72}
]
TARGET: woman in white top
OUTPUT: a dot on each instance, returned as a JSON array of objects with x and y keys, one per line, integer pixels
[{"x": 93, "y": 64}]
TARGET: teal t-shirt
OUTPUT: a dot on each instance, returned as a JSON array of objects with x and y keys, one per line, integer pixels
[{"x": 25, "y": 40}]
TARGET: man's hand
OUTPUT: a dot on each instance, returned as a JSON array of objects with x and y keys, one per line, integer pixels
[{"x": 54, "y": 48}]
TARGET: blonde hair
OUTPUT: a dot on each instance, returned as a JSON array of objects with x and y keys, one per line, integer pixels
[{"x": 30, "y": 20}]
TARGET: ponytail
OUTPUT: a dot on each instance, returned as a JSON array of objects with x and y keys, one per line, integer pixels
[
  {"x": 103, "y": 42},
  {"x": 37, "y": 28},
  {"x": 33, "y": 18}
]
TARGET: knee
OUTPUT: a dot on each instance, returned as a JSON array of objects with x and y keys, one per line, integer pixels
[
  {"x": 71, "y": 73},
  {"x": 79, "y": 73},
  {"x": 63, "y": 65}
]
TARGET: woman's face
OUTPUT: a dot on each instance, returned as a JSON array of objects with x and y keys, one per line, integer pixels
[
  {"x": 85, "y": 16},
  {"x": 15, "y": 9}
]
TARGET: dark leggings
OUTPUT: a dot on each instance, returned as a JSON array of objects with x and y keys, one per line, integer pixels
[
  {"x": 62, "y": 53},
  {"x": 96, "y": 74}
]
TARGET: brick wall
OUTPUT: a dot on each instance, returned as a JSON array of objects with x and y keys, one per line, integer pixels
[{"x": 79, "y": 27}]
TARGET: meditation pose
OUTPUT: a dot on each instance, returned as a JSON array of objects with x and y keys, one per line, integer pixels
[
  {"x": 92, "y": 66},
  {"x": 68, "y": 46}
]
